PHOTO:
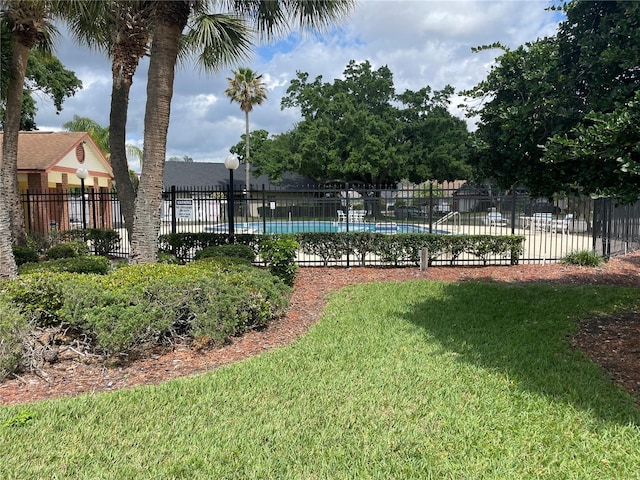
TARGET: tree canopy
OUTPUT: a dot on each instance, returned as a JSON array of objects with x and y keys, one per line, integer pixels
[
  {"x": 357, "y": 129},
  {"x": 45, "y": 74},
  {"x": 554, "y": 114}
]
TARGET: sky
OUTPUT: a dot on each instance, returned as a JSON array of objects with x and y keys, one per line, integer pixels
[{"x": 423, "y": 43}]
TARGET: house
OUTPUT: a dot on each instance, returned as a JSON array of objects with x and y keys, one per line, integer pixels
[
  {"x": 197, "y": 175},
  {"x": 48, "y": 163},
  {"x": 205, "y": 185}
]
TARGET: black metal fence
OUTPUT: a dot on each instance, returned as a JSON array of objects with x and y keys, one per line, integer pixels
[{"x": 552, "y": 228}]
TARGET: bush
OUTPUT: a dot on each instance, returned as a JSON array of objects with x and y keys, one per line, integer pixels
[
  {"x": 280, "y": 256},
  {"x": 244, "y": 252},
  {"x": 67, "y": 250},
  {"x": 23, "y": 254},
  {"x": 585, "y": 258},
  {"x": 13, "y": 328},
  {"x": 40, "y": 295},
  {"x": 83, "y": 264},
  {"x": 210, "y": 299},
  {"x": 168, "y": 258},
  {"x": 139, "y": 304},
  {"x": 103, "y": 241}
]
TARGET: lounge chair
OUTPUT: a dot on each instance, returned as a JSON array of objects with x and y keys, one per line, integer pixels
[
  {"x": 342, "y": 217},
  {"x": 542, "y": 221},
  {"x": 564, "y": 224},
  {"x": 495, "y": 219},
  {"x": 357, "y": 216}
]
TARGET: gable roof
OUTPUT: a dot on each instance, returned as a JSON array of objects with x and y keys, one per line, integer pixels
[
  {"x": 41, "y": 151},
  {"x": 202, "y": 174}
]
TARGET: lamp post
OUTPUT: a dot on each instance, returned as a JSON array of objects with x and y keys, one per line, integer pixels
[
  {"x": 82, "y": 174},
  {"x": 231, "y": 163}
]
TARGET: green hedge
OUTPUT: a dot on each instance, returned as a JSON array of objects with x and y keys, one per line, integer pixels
[
  {"x": 81, "y": 264},
  {"x": 391, "y": 249},
  {"x": 400, "y": 249}
]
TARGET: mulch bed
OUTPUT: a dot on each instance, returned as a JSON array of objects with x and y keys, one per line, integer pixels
[{"x": 613, "y": 342}]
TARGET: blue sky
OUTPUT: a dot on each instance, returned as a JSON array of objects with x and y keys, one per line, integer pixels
[{"x": 423, "y": 42}]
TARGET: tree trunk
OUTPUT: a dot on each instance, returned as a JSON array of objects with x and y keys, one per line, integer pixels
[
  {"x": 117, "y": 145},
  {"x": 247, "y": 166},
  {"x": 171, "y": 19},
  {"x": 9, "y": 169},
  {"x": 8, "y": 267}
]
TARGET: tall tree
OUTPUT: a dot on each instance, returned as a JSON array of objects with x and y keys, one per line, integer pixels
[
  {"x": 270, "y": 155},
  {"x": 599, "y": 54},
  {"x": 519, "y": 106},
  {"x": 247, "y": 89},
  {"x": 45, "y": 75},
  {"x": 123, "y": 29},
  {"x": 437, "y": 143},
  {"x": 170, "y": 18},
  {"x": 541, "y": 100},
  {"x": 98, "y": 133},
  {"x": 357, "y": 129},
  {"x": 30, "y": 23}
]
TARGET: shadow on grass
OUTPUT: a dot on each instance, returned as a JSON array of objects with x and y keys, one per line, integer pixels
[{"x": 524, "y": 332}]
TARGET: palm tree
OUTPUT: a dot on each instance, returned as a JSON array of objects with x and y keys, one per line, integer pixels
[
  {"x": 247, "y": 89},
  {"x": 122, "y": 29},
  {"x": 268, "y": 18},
  {"x": 98, "y": 133},
  {"x": 30, "y": 23}
]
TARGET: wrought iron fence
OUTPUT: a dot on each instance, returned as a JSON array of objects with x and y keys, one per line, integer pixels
[{"x": 552, "y": 229}]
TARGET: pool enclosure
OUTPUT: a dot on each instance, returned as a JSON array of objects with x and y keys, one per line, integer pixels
[{"x": 552, "y": 227}]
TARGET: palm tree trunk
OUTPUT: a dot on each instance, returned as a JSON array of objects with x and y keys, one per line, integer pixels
[
  {"x": 117, "y": 145},
  {"x": 8, "y": 267},
  {"x": 247, "y": 165},
  {"x": 9, "y": 168},
  {"x": 171, "y": 19}
]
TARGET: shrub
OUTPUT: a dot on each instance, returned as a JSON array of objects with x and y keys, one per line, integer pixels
[
  {"x": 103, "y": 241},
  {"x": 585, "y": 258},
  {"x": 39, "y": 295},
  {"x": 67, "y": 250},
  {"x": 83, "y": 264},
  {"x": 23, "y": 254},
  {"x": 138, "y": 304},
  {"x": 244, "y": 252},
  {"x": 168, "y": 258},
  {"x": 280, "y": 256},
  {"x": 13, "y": 328}
]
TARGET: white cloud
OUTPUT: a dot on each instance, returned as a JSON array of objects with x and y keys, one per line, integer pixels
[{"x": 422, "y": 42}]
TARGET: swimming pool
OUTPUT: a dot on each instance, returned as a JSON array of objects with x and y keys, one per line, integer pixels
[{"x": 324, "y": 226}]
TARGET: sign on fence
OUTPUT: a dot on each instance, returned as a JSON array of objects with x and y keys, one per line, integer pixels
[{"x": 184, "y": 208}]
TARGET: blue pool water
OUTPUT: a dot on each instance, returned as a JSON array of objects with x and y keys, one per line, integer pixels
[{"x": 302, "y": 226}]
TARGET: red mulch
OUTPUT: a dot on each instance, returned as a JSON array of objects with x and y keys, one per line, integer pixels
[{"x": 613, "y": 342}]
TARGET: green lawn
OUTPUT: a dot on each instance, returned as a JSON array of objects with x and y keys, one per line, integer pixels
[{"x": 416, "y": 380}]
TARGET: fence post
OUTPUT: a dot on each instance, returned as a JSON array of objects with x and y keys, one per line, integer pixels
[
  {"x": 94, "y": 213},
  {"x": 172, "y": 205},
  {"x": 28, "y": 199},
  {"x": 513, "y": 211},
  {"x": 424, "y": 259},
  {"x": 264, "y": 210},
  {"x": 430, "y": 206}
]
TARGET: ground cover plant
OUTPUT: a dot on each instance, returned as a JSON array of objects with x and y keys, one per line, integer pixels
[
  {"x": 134, "y": 308},
  {"x": 420, "y": 379}
]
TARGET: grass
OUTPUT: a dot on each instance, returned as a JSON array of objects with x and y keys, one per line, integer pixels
[{"x": 415, "y": 380}]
